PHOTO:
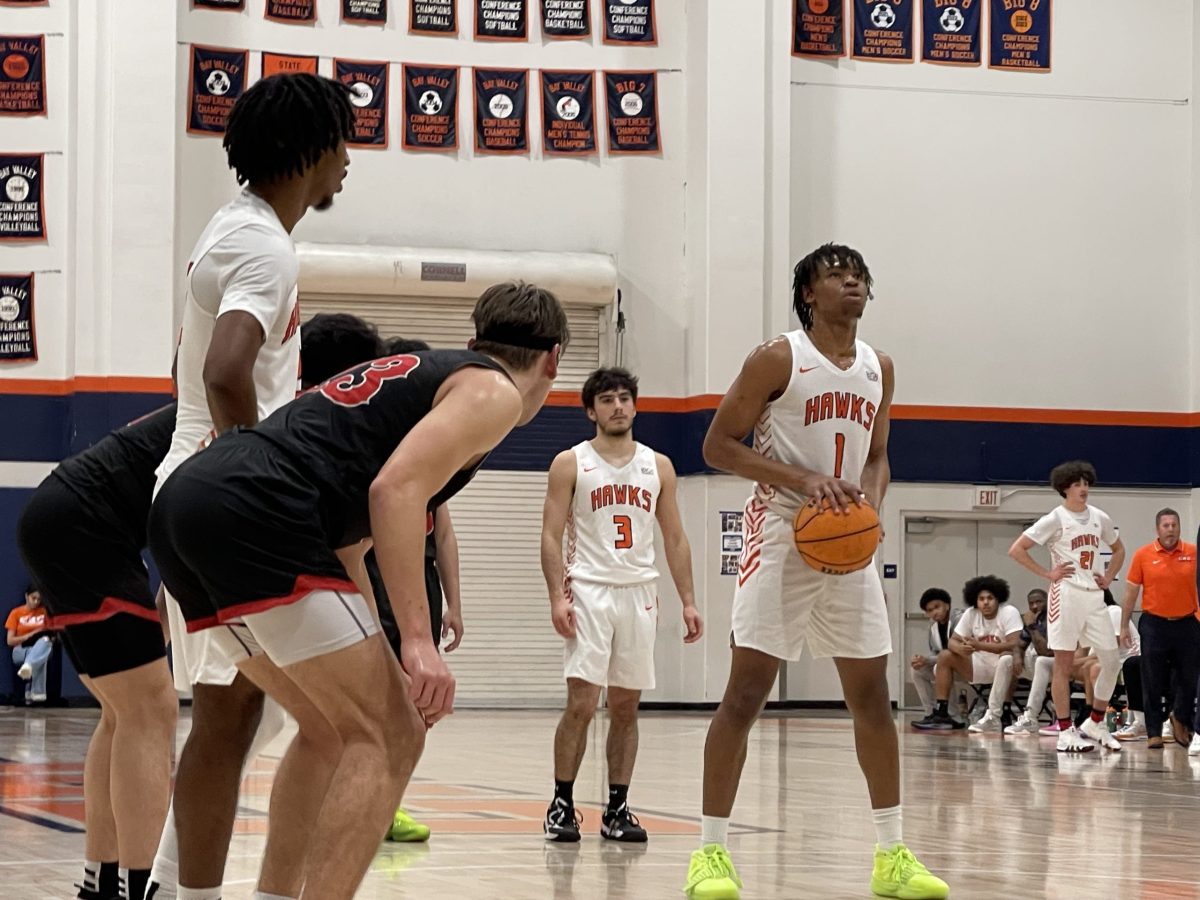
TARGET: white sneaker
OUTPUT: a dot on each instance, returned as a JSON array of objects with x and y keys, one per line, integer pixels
[
  {"x": 25, "y": 672},
  {"x": 987, "y": 722},
  {"x": 1027, "y": 724},
  {"x": 1194, "y": 746},
  {"x": 1069, "y": 741},
  {"x": 1131, "y": 732},
  {"x": 1102, "y": 736},
  {"x": 1168, "y": 732}
]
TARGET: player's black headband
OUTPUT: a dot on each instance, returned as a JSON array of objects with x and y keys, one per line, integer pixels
[{"x": 515, "y": 337}]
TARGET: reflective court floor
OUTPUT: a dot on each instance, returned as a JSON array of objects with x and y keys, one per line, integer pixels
[{"x": 997, "y": 817}]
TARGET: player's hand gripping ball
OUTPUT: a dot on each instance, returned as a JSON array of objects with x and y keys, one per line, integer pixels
[{"x": 836, "y": 544}]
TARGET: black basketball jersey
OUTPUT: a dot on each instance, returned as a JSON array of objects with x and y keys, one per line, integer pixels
[
  {"x": 116, "y": 474},
  {"x": 342, "y": 432}
]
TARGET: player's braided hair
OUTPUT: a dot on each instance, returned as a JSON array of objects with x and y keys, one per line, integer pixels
[
  {"x": 807, "y": 269},
  {"x": 997, "y": 587},
  {"x": 1066, "y": 474},
  {"x": 284, "y": 124}
]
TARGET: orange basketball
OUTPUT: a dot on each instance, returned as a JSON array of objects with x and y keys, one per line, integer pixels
[
  {"x": 836, "y": 544},
  {"x": 16, "y": 66}
]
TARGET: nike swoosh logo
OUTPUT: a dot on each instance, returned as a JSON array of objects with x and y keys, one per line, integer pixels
[
  {"x": 589, "y": 468},
  {"x": 803, "y": 370}
]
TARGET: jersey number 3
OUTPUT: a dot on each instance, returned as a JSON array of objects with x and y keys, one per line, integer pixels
[
  {"x": 359, "y": 385},
  {"x": 624, "y": 532}
]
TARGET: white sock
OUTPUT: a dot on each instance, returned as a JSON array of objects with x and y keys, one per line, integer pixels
[
  {"x": 91, "y": 875},
  {"x": 165, "y": 871},
  {"x": 888, "y": 830},
  {"x": 714, "y": 830},
  {"x": 213, "y": 893},
  {"x": 259, "y": 895},
  {"x": 1138, "y": 720}
]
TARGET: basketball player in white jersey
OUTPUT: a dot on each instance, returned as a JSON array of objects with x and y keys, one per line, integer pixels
[
  {"x": 607, "y": 494},
  {"x": 817, "y": 401},
  {"x": 238, "y": 360},
  {"x": 1074, "y": 533}
]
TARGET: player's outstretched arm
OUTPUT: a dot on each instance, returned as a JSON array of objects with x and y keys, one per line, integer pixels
[
  {"x": 678, "y": 550},
  {"x": 560, "y": 491},
  {"x": 764, "y": 377},
  {"x": 877, "y": 473}
]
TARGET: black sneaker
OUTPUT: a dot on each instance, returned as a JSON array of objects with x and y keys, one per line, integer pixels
[
  {"x": 622, "y": 825},
  {"x": 1006, "y": 718},
  {"x": 938, "y": 722},
  {"x": 87, "y": 894},
  {"x": 562, "y": 822}
]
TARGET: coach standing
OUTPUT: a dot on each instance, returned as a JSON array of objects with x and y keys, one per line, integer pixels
[{"x": 1166, "y": 571}]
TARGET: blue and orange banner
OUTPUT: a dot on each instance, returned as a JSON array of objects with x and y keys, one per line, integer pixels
[
  {"x": 430, "y": 107},
  {"x": 952, "y": 32},
  {"x": 434, "y": 17},
  {"x": 22, "y": 75},
  {"x": 18, "y": 334},
  {"x": 226, "y": 5},
  {"x": 502, "y": 111},
  {"x": 501, "y": 20},
  {"x": 883, "y": 30},
  {"x": 819, "y": 28},
  {"x": 303, "y": 12},
  {"x": 1020, "y": 36},
  {"x": 630, "y": 22},
  {"x": 566, "y": 19},
  {"x": 368, "y": 83},
  {"x": 287, "y": 64},
  {"x": 365, "y": 12},
  {"x": 569, "y": 112},
  {"x": 631, "y": 100},
  {"x": 217, "y": 79},
  {"x": 22, "y": 197}
]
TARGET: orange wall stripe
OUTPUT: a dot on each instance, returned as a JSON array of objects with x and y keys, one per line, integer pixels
[{"x": 85, "y": 384}]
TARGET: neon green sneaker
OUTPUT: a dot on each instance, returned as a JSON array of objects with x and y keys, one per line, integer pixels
[
  {"x": 405, "y": 829},
  {"x": 898, "y": 873},
  {"x": 711, "y": 875}
]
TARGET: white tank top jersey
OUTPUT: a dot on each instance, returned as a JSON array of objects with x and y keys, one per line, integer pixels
[
  {"x": 245, "y": 260},
  {"x": 610, "y": 530},
  {"x": 1077, "y": 538},
  {"x": 822, "y": 421}
]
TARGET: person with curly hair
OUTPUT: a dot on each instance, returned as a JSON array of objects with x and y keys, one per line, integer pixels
[{"x": 981, "y": 651}]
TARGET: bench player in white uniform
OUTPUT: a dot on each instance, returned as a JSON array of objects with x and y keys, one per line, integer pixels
[
  {"x": 1075, "y": 533},
  {"x": 817, "y": 401},
  {"x": 238, "y": 360},
  {"x": 606, "y": 494}
]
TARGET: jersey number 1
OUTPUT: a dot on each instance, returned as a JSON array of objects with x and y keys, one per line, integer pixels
[
  {"x": 839, "y": 443},
  {"x": 624, "y": 532}
]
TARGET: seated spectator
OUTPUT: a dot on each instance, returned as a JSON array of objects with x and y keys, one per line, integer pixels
[
  {"x": 1038, "y": 663},
  {"x": 935, "y": 603},
  {"x": 981, "y": 650},
  {"x": 31, "y": 644}
]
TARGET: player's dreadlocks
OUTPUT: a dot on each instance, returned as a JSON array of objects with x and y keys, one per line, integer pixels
[
  {"x": 806, "y": 273},
  {"x": 284, "y": 124}
]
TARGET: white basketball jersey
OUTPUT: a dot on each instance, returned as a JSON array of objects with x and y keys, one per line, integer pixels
[
  {"x": 245, "y": 260},
  {"x": 822, "y": 421},
  {"x": 1075, "y": 538},
  {"x": 610, "y": 531}
]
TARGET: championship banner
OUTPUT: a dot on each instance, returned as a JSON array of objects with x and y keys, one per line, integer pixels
[
  {"x": 629, "y": 22},
  {"x": 569, "y": 112},
  {"x": 368, "y": 83},
  {"x": 501, "y": 110},
  {"x": 291, "y": 11},
  {"x": 1021, "y": 35},
  {"x": 22, "y": 197},
  {"x": 818, "y": 28},
  {"x": 217, "y": 79},
  {"x": 365, "y": 12},
  {"x": 22, "y": 75},
  {"x": 437, "y": 17},
  {"x": 501, "y": 20},
  {"x": 631, "y": 101},
  {"x": 18, "y": 339},
  {"x": 287, "y": 64},
  {"x": 951, "y": 32},
  {"x": 566, "y": 19},
  {"x": 430, "y": 108},
  {"x": 883, "y": 30},
  {"x": 228, "y": 5},
  {"x": 24, "y": 2}
]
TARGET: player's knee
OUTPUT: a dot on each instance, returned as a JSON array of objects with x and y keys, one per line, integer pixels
[
  {"x": 227, "y": 715},
  {"x": 743, "y": 703},
  {"x": 623, "y": 712},
  {"x": 581, "y": 706}
]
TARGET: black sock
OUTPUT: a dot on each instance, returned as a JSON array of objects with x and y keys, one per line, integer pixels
[
  {"x": 618, "y": 796},
  {"x": 133, "y": 883},
  {"x": 109, "y": 883},
  {"x": 565, "y": 791},
  {"x": 943, "y": 708}
]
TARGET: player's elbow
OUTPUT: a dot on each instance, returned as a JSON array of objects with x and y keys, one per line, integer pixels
[
  {"x": 1015, "y": 551},
  {"x": 716, "y": 450}
]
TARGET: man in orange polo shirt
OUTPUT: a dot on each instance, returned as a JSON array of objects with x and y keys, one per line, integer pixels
[{"x": 1165, "y": 571}]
